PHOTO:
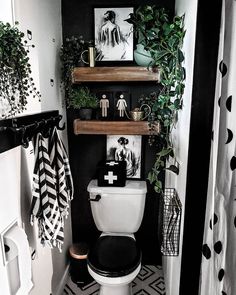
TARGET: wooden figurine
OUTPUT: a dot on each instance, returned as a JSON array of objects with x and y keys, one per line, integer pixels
[
  {"x": 104, "y": 105},
  {"x": 121, "y": 105}
]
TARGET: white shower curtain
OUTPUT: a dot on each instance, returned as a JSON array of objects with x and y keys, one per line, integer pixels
[{"x": 218, "y": 269}]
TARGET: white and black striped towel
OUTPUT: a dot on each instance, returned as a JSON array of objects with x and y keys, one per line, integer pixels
[
  {"x": 60, "y": 163},
  {"x": 50, "y": 203}
]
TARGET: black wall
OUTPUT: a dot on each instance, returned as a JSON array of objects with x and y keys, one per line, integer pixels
[
  {"x": 77, "y": 16},
  {"x": 87, "y": 150}
]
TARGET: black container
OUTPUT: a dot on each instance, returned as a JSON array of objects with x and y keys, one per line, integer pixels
[
  {"x": 78, "y": 264},
  {"x": 85, "y": 113},
  {"x": 112, "y": 173}
]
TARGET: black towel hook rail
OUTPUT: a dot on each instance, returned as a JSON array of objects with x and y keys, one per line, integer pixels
[{"x": 21, "y": 130}]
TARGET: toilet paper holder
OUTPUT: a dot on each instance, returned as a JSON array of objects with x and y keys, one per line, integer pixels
[
  {"x": 9, "y": 252},
  {"x": 16, "y": 259},
  {"x": 5, "y": 247},
  {"x": 10, "y": 260}
]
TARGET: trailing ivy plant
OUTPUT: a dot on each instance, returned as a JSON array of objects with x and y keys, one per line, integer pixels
[
  {"x": 16, "y": 83},
  {"x": 70, "y": 56},
  {"x": 163, "y": 37}
]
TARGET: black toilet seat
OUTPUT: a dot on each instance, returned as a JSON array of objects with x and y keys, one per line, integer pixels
[{"x": 114, "y": 256}]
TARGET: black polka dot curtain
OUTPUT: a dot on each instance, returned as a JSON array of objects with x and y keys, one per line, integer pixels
[{"x": 219, "y": 242}]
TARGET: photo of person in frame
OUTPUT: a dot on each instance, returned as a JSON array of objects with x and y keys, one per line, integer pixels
[
  {"x": 109, "y": 33},
  {"x": 126, "y": 148},
  {"x": 113, "y": 36}
]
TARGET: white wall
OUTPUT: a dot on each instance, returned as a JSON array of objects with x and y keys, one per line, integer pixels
[
  {"x": 43, "y": 18},
  {"x": 9, "y": 175},
  {"x": 6, "y": 11},
  {"x": 10, "y": 196},
  {"x": 172, "y": 265}
]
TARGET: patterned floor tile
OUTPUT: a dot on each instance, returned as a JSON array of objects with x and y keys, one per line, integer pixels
[
  {"x": 149, "y": 281},
  {"x": 158, "y": 285}
]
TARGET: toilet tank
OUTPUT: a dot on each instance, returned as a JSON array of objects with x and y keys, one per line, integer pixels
[{"x": 120, "y": 209}]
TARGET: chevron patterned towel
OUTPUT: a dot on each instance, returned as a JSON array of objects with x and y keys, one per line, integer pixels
[
  {"x": 60, "y": 163},
  {"x": 47, "y": 205}
]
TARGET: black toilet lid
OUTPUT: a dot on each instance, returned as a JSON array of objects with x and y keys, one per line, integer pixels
[{"x": 114, "y": 256}]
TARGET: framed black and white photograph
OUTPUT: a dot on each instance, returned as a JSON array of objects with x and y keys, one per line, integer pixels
[
  {"x": 126, "y": 148},
  {"x": 113, "y": 35}
]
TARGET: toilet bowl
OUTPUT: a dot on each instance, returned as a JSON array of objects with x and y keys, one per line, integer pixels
[
  {"x": 114, "y": 262},
  {"x": 115, "y": 259},
  {"x": 115, "y": 286}
]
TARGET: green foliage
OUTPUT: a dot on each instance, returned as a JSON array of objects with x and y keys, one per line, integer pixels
[
  {"x": 16, "y": 83},
  {"x": 70, "y": 56},
  {"x": 163, "y": 38},
  {"x": 82, "y": 98},
  {"x": 147, "y": 22}
]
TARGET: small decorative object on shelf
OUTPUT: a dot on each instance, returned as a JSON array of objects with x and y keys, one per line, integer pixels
[
  {"x": 104, "y": 105},
  {"x": 137, "y": 114},
  {"x": 142, "y": 57},
  {"x": 91, "y": 55},
  {"x": 121, "y": 105}
]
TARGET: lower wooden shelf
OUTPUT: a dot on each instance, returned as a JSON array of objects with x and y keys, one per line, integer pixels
[{"x": 113, "y": 127}]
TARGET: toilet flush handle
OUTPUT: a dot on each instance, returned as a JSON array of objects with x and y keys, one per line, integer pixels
[{"x": 96, "y": 199}]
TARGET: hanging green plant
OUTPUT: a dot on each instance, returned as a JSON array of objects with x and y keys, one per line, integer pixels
[
  {"x": 163, "y": 38},
  {"x": 70, "y": 55},
  {"x": 16, "y": 83}
]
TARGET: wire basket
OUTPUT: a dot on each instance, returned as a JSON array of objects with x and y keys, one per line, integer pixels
[{"x": 171, "y": 210}]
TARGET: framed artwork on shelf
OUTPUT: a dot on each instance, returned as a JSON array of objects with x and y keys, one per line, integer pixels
[
  {"x": 113, "y": 35},
  {"x": 126, "y": 148}
]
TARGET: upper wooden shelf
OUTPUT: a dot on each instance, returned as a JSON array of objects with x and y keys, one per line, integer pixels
[
  {"x": 113, "y": 127},
  {"x": 113, "y": 74}
]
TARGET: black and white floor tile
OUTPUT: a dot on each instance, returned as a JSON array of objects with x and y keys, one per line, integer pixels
[{"x": 149, "y": 281}]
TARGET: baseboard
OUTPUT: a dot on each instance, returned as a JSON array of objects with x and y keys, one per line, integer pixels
[{"x": 63, "y": 281}]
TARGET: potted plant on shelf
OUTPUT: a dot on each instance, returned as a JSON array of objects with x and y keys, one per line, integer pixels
[
  {"x": 162, "y": 37},
  {"x": 84, "y": 101},
  {"x": 16, "y": 83},
  {"x": 146, "y": 21}
]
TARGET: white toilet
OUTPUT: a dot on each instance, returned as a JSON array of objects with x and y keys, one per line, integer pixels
[{"x": 115, "y": 259}]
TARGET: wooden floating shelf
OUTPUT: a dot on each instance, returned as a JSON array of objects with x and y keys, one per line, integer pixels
[
  {"x": 114, "y": 74},
  {"x": 113, "y": 127}
]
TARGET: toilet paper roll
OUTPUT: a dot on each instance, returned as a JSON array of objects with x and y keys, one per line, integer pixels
[{"x": 17, "y": 241}]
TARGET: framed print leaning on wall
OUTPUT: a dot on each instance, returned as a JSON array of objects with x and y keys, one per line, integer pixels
[
  {"x": 126, "y": 148},
  {"x": 113, "y": 35}
]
